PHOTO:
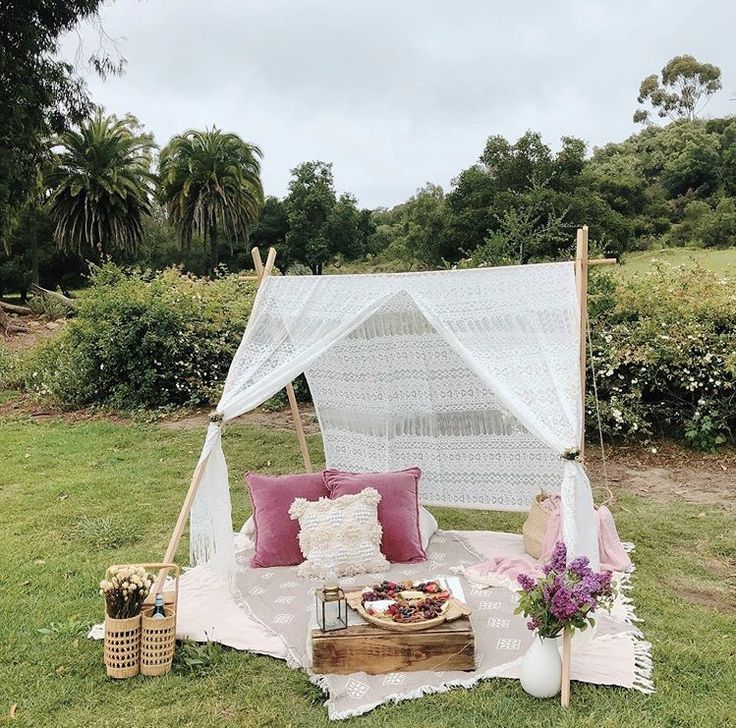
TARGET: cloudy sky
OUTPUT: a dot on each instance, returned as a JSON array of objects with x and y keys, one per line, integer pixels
[{"x": 403, "y": 92}]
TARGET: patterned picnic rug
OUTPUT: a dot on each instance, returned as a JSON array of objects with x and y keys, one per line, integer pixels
[{"x": 283, "y": 604}]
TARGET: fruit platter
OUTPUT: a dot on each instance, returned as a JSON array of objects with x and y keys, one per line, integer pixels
[{"x": 407, "y": 606}]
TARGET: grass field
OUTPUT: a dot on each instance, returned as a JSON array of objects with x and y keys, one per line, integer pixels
[
  {"x": 75, "y": 497},
  {"x": 719, "y": 261}
]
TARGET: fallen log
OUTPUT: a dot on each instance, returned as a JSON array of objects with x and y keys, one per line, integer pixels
[
  {"x": 46, "y": 293},
  {"x": 9, "y": 326},
  {"x": 12, "y": 308}
]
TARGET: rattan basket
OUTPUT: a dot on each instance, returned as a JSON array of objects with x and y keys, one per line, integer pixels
[
  {"x": 158, "y": 640},
  {"x": 158, "y": 636},
  {"x": 142, "y": 645},
  {"x": 535, "y": 526},
  {"x": 122, "y": 646}
]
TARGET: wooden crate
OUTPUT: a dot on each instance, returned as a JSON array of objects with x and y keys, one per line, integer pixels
[{"x": 365, "y": 648}]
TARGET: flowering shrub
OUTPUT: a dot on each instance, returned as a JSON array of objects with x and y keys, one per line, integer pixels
[
  {"x": 125, "y": 591},
  {"x": 567, "y": 596},
  {"x": 145, "y": 340},
  {"x": 663, "y": 346},
  {"x": 664, "y": 350}
]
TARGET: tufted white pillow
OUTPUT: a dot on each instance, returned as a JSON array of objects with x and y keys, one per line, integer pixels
[{"x": 341, "y": 535}]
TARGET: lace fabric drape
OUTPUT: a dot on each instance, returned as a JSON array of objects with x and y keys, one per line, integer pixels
[{"x": 472, "y": 375}]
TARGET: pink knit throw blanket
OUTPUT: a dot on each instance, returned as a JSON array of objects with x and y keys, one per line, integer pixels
[{"x": 502, "y": 570}]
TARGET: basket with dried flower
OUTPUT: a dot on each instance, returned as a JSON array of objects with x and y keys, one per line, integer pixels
[{"x": 125, "y": 588}]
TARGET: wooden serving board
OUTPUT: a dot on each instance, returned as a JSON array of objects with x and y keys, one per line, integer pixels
[
  {"x": 454, "y": 610},
  {"x": 365, "y": 648}
]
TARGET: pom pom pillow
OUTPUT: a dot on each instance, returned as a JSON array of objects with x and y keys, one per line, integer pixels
[
  {"x": 276, "y": 534},
  {"x": 398, "y": 510},
  {"x": 340, "y": 537}
]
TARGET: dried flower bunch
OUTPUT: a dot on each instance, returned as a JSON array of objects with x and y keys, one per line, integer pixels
[
  {"x": 125, "y": 590},
  {"x": 566, "y": 596}
]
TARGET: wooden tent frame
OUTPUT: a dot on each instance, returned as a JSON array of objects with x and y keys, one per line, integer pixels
[{"x": 262, "y": 270}]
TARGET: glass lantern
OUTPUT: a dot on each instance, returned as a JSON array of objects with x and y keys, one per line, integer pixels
[{"x": 331, "y": 607}]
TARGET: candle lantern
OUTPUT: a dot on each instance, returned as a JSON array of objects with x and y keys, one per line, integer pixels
[{"x": 332, "y": 608}]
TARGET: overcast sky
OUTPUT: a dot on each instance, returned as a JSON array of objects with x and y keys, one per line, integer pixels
[{"x": 403, "y": 92}]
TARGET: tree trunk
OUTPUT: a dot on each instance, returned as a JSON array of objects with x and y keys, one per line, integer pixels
[
  {"x": 34, "y": 245},
  {"x": 213, "y": 246},
  {"x": 12, "y": 308}
]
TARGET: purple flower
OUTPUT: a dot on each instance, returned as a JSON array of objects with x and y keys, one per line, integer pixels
[
  {"x": 566, "y": 594},
  {"x": 526, "y": 582},
  {"x": 580, "y": 566},
  {"x": 559, "y": 559},
  {"x": 549, "y": 589},
  {"x": 563, "y": 606},
  {"x": 604, "y": 583}
]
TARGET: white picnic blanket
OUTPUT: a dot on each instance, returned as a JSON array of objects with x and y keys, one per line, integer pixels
[{"x": 272, "y": 615}]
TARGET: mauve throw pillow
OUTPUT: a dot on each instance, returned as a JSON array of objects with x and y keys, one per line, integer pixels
[
  {"x": 398, "y": 510},
  {"x": 277, "y": 536}
]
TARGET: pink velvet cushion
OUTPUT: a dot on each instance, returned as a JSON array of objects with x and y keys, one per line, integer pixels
[
  {"x": 277, "y": 542},
  {"x": 398, "y": 510}
]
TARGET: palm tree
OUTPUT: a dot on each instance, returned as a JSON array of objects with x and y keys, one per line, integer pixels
[
  {"x": 210, "y": 182},
  {"x": 101, "y": 185}
]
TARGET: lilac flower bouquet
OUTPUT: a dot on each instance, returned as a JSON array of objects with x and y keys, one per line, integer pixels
[{"x": 566, "y": 596}]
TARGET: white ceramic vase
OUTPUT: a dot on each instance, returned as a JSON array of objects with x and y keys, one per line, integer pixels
[{"x": 541, "y": 668}]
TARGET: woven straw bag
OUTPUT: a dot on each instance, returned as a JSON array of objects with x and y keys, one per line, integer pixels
[{"x": 535, "y": 526}]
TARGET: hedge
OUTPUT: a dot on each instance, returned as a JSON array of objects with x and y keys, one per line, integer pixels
[
  {"x": 664, "y": 352},
  {"x": 663, "y": 349},
  {"x": 145, "y": 340}
]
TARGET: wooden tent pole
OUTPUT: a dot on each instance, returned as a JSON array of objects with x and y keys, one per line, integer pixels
[
  {"x": 181, "y": 522},
  {"x": 581, "y": 279},
  {"x": 581, "y": 276},
  {"x": 262, "y": 272},
  {"x": 186, "y": 508},
  {"x": 566, "y": 661}
]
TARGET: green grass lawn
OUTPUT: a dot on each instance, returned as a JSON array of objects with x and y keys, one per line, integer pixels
[
  {"x": 75, "y": 498},
  {"x": 719, "y": 261}
]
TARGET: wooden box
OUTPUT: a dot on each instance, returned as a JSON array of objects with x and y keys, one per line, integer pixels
[{"x": 365, "y": 648}]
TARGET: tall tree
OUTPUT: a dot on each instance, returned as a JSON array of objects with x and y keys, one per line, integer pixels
[
  {"x": 682, "y": 92},
  {"x": 322, "y": 226},
  {"x": 271, "y": 229},
  {"x": 210, "y": 182},
  {"x": 100, "y": 184},
  {"x": 309, "y": 205},
  {"x": 39, "y": 94},
  {"x": 426, "y": 226}
]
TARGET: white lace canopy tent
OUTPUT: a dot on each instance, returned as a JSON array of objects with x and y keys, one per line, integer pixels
[{"x": 476, "y": 375}]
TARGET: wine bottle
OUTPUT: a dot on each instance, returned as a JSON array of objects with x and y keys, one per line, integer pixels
[{"x": 158, "y": 607}]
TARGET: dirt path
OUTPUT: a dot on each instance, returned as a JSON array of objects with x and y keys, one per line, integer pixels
[
  {"x": 39, "y": 329},
  {"x": 666, "y": 471}
]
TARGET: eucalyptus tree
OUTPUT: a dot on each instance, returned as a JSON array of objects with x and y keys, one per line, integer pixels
[
  {"x": 210, "y": 183},
  {"x": 101, "y": 186},
  {"x": 683, "y": 91}
]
